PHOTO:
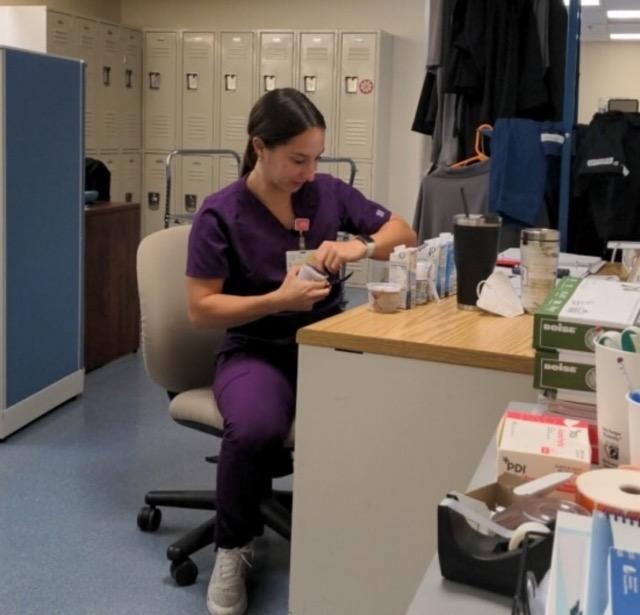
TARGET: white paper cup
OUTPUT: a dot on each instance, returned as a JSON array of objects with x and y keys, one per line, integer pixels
[
  {"x": 633, "y": 407},
  {"x": 611, "y": 396},
  {"x": 384, "y": 297}
]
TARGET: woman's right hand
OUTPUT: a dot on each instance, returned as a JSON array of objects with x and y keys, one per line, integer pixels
[{"x": 297, "y": 295}]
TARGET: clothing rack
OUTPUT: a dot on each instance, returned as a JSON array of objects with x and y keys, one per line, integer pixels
[{"x": 569, "y": 117}]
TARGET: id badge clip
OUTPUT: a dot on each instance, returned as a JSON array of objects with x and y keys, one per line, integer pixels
[{"x": 302, "y": 226}]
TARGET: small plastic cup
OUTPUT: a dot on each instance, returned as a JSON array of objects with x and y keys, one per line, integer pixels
[{"x": 384, "y": 297}]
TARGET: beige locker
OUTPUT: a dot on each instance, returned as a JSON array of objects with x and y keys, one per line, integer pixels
[
  {"x": 198, "y": 182},
  {"x": 236, "y": 86},
  {"x": 61, "y": 37},
  {"x": 197, "y": 82},
  {"x": 152, "y": 206},
  {"x": 316, "y": 77},
  {"x": 110, "y": 85},
  {"x": 113, "y": 164},
  {"x": 130, "y": 98},
  {"x": 160, "y": 91},
  {"x": 363, "y": 180},
  {"x": 87, "y": 35},
  {"x": 131, "y": 178},
  {"x": 228, "y": 171},
  {"x": 357, "y": 94},
  {"x": 276, "y": 61}
]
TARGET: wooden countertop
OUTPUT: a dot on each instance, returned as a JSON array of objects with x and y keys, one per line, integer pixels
[{"x": 434, "y": 332}]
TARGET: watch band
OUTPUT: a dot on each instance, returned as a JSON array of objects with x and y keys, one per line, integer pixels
[{"x": 369, "y": 244}]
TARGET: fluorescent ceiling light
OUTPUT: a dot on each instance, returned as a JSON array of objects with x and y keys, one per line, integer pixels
[
  {"x": 623, "y": 15},
  {"x": 625, "y": 36},
  {"x": 585, "y": 2}
]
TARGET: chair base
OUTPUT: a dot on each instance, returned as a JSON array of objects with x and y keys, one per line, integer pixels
[{"x": 275, "y": 511}]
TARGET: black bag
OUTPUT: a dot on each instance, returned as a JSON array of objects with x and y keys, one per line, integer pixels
[{"x": 97, "y": 177}]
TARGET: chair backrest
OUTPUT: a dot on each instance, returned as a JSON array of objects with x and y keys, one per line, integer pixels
[{"x": 177, "y": 355}]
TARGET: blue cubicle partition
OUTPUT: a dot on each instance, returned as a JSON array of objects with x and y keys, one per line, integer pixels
[{"x": 41, "y": 226}]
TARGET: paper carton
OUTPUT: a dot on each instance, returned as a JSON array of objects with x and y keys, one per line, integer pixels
[
  {"x": 572, "y": 313},
  {"x": 531, "y": 446}
]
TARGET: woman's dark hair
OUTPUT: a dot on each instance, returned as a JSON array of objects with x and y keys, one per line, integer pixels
[{"x": 277, "y": 117}]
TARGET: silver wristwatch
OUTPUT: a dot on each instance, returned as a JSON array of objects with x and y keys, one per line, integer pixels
[{"x": 368, "y": 242}]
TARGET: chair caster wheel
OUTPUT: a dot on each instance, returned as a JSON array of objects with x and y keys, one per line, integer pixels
[
  {"x": 149, "y": 518},
  {"x": 184, "y": 572}
]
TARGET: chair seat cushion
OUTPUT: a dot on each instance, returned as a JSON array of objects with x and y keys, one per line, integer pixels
[{"x": 197, "y": 408}]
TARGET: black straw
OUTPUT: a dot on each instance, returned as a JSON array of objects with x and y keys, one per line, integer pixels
[{"x": 464, "y": 202}]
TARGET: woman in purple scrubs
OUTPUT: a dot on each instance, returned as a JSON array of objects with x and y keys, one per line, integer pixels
[{"x": 238, "y": 280}]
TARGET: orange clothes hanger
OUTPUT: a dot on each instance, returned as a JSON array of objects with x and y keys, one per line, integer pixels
[{"x": 479, "y": 156}]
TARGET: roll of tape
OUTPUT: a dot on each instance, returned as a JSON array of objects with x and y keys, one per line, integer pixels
[
  {"x": 613, "y": 491},
  {"x": 521, "y": 531}
]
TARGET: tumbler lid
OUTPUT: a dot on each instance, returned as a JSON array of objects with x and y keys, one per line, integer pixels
[
  {"x": 539, "y": 234},
  {"x": 477, "y": 220}
]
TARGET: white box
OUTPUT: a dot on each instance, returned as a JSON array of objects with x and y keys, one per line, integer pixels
[{"x": 531, "y": 446}]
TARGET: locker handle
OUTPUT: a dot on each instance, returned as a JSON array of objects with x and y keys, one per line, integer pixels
[
  {"x": 192, "y": 81},
  {"x": 106, "y": 75},
  {"x": 154, "y": 81},
  {"x": 128, "y": 78},
  {"x": 128, "y": 197},
  {"x": 269, "y": 83},
  {"x": 153, "y": 200},
  {"x": 190, "y": 202},
  {"x": 351, "y": 84},
  {"x": 231, "y": 82},
  {"x": 310, "y": 83}
]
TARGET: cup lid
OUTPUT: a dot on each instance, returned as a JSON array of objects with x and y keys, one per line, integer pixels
[
  {"x": 539, "y": 234},
  {"x": 477, "y": 220}
]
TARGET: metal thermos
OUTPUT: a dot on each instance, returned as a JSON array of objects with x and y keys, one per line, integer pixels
[{"x": 539, "y": 251}]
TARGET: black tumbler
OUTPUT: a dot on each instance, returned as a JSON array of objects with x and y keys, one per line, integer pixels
[{"x": 475, "y": 244}]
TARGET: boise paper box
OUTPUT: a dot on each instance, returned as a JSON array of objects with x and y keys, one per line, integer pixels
[
  {"x": 572, "y": 313},
  {"x": 572, "y": 375},
  {"x": 531, "y": 446}
]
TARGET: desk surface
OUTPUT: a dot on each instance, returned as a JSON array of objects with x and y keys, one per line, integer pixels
[{"x": 434, "y": 332}]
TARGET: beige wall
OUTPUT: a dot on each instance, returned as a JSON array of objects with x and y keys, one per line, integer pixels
[
  {"x": 607, "y": 70},
  {"x": 404, "y": 20},
  {"x": 98, "y": 9}
]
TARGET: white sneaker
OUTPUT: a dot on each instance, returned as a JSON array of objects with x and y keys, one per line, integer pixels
[{"x": 227, "y": 592}]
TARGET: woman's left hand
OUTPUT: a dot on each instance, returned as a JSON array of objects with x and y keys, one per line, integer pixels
[{"x": 331, "y": 255}]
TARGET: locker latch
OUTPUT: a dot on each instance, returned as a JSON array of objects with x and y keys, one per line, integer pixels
[
  {"x": 106, "y": 75},
  {"x": 192, "y": 81},
  {"x": 128, "y": 197},
  {"x": 154, "y": 81},
  {"x": 153, "y": 200},
  {"x": 190, "y": 202},
  {"x": 231, "y": 82},
  {"x": 128, "y": 78},
  {"x": 310, "y": 83},
  {"x": 351, "y": 84},
  {"x": 269, "y": 83}
]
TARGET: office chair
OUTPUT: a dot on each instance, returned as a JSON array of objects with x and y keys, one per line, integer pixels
[{"x": 180, "y": 358}]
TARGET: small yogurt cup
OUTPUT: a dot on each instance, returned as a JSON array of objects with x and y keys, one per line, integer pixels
[{"x": 384, "y": 297}]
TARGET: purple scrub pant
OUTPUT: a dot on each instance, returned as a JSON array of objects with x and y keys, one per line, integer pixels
[{"x": 255, "y": 392}]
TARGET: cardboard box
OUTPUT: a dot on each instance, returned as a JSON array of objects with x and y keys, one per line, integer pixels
[
  {"x": 402, "y": 270},
  {"x": 572, "y": 313},
  {"x": 531, "y": 446},
  {"x": 571, "y": 375}
]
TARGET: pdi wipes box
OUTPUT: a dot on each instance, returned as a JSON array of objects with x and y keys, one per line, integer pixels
[
  {"x": 571, "y": 375},
  {"x": 531, "y": 446},
  {"x": 573, "y": 312}
]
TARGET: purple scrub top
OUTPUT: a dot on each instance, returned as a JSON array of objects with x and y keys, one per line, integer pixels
[{"x": 235, "y": 237}]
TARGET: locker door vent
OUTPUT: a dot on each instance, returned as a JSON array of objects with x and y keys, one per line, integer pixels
[
  {"x": 356, "y": 132},
  {"x": 159, "y": 49},
  {"x": 271, "y": 52},
  {"x": 317, "y": 53},
  {"x": 197, "y": 51},
  {"x": 359, "y": 54},
  {"x": 160, "y": 126},
  {"x": 196, "y": 127},
  {"x": 235, "y": 128}
]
